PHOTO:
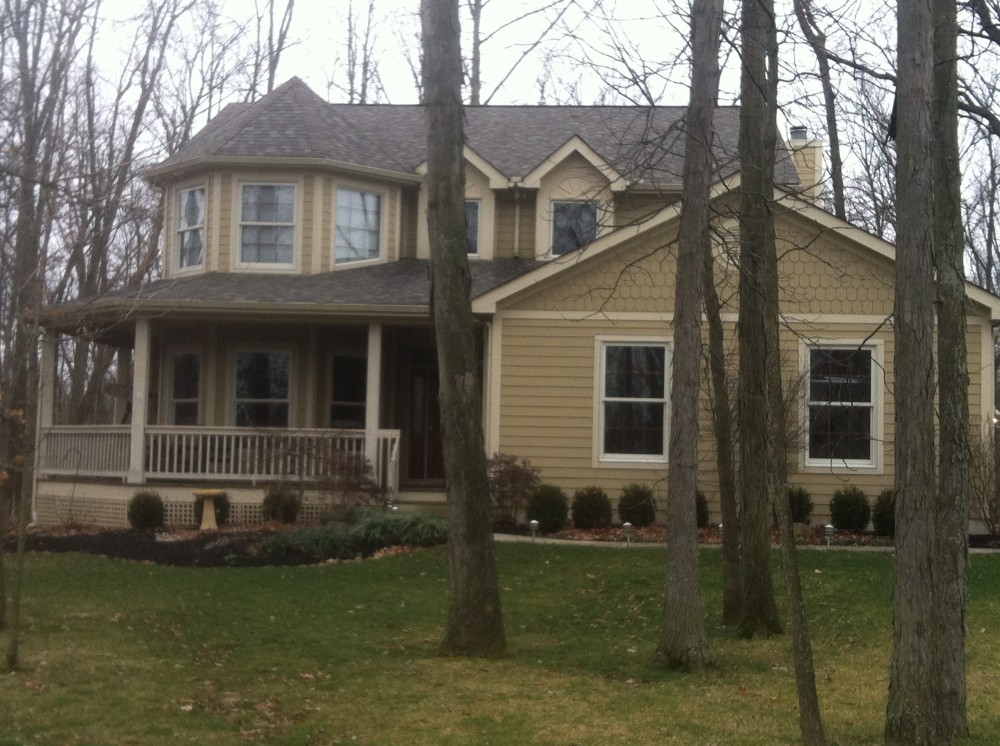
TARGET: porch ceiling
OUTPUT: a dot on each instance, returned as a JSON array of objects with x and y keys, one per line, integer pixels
[{"x": 395, "y": 289}]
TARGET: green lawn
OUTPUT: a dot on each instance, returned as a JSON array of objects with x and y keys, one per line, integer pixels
[{"x": 121, "y": 653}]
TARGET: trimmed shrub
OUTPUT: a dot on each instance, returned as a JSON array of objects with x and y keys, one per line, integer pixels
[
  {"x": 884, "y": 513},
  {"x": 701, "y": 510},
  {"x": 377, "y": 529},
  {"x": 512, "y": 481},
  {"x": 636, "y": 504},
  {"x": 800, "y": 504},
  {"x": 222, "y": 509},
  {"x": 850, "y": 509},
  {"x": 591, "y": 508},
  {"x": 281, "y": 503},
  {"x": 549, "y": 506},
  {"x": 146, "y": 511}
]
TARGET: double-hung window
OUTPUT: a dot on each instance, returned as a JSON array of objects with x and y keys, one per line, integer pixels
[
  {"x": 191, "y": 228},
  {"x": 574, "y": 225},
  {"x": 267, "y": 224},
  {"x": 841, "y": 405},
  {"x": 472, "y": 226},
  {"x": 262, "y": 389},
  {"x": 633, "y": 401},
  {"x": 359, "y": 223}
]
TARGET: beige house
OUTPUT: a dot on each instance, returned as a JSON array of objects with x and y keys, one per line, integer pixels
[{"x": 292, "y": 320}]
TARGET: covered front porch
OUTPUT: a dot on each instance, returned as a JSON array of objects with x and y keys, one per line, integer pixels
[{"x": 239, "y": 405}]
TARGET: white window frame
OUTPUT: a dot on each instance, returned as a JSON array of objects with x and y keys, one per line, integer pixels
[
  {"x": 601, "y": 457},
  {"x": 382, "y": 201},
  {"x": 479, "y": 220},
  {"x": 241, "y": 263},
  {"x": 183, "y": 229},
  {"x": 875, "y": 405},
  {"x": 552, "y": 224},
  {"x": 233, "y": 372},
  {"x": 167, "y": 386}
]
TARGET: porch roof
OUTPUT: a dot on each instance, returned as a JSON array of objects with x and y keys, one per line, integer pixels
[{"x": 394, "y": 289}]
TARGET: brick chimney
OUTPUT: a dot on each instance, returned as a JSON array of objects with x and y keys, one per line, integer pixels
[{"x": 807, "y": 155}]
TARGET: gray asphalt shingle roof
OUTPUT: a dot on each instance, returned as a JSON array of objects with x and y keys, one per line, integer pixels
[{"x": 644, "y": 144}]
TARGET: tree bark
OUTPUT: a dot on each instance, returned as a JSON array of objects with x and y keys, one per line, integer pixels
[
  {"x": 913, "y": 691},
  {"x": 475, "y": 623},
  {"x": 683, "y": 643},
  {"x": 758, "y": 320}
]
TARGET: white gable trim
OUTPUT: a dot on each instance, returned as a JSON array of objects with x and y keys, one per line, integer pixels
[
  {"x": 576, "y": 144},
  {"x": 496, "y": 178}
]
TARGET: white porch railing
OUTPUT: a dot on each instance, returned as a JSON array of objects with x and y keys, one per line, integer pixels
[{"x": 231, "y": 453}]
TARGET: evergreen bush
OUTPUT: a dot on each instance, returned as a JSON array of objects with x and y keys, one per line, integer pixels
[
  {"x": 549, "y": 506},
  {"x": 636, "y": 504},
  {"x": 850, "y": 509},
  {"x": 884, "y": 513},
  {"x": 512, "y": 480},
  {"x": 591, "y": 508},
  {"x": 701, "y": 510},
  {"x": 146, "y": 511},
  {"x": 800, "y": 504}
]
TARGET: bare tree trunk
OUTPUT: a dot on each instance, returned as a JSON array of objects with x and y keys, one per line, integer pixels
[
  {"x": 758, "y": 321},
  {"x": 913, "y": 691},
  {"x": 475, "y": 622},
  {"x": 722, "y": 422},
  {"x": 952, "y": 506},
  {"x": 683, "y": 643}
]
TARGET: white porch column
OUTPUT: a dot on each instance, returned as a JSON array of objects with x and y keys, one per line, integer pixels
[
  {"x": 47, "y": 383},
  {"x": 373, "y": 396},
  {"x": 140, "y": 401}
]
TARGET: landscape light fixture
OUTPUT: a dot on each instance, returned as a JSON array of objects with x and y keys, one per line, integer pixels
[
  {"x": 628, "y": 532},
  {"x": 534, "y": 528},
  {"x": 829, "y": 533}
]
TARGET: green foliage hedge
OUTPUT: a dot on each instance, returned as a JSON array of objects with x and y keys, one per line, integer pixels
[
  {"x": 146, "y": 511},
  {"x": 636, "y": 504},
  {"x": 281, "y": 503},
  {"x": 800, "y": 504},
  {"x": 549, "y": 506},
  {"x": 850, "y": 509},
  {"x": 591, "y": 508},
  {"x": 884, "y": 513},
  {"x": 701, "y": 510}
]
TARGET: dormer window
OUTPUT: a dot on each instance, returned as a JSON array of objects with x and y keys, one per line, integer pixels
[
  {"x": 574, "y": 225},
  {"x": 191, "y": 228},
  {"x": 267, "y": 224},
  {"x": 359, "y": 222}
]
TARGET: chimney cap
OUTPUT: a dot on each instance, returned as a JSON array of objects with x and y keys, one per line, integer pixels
[{"x": 799, "y": 132}]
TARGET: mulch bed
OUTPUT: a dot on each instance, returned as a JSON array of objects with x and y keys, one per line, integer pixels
[{"x": 232, "y": 546}]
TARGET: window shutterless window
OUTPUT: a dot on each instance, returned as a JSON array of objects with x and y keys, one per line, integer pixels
[
  {"x": 267, "y": 224},
  {"x": 191, "y": 227},
  {"x": 574, "y": 225},
  {"x": 472, "y": 225},
  {"x": 841, "y": 405},
  {"x": 633, "y": 401},
  {"x": 262, "y": 389},
  {"x": 349, "y": 390},
  {"x": 359, "y": 221},
  {"x": 186, "y": 377}
]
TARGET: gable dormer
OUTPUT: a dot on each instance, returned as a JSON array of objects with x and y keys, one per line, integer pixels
[{"x": 575, "y": 190}]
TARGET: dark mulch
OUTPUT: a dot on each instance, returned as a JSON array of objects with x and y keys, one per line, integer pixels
[{"x": 230, "y": 547}]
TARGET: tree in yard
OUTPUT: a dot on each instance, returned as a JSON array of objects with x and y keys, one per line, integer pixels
[
  {"x": 757, "y": 330},
  {"x": 927, "y": 691},
  {"x": 475, "y": 622},
  {"x": 683, "y": 643}
]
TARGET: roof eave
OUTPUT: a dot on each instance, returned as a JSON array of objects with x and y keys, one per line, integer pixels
[{"x": 161, "y": 174}]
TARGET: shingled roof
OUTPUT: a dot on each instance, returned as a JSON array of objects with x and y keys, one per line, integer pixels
[{"x": 643, "y": 143}]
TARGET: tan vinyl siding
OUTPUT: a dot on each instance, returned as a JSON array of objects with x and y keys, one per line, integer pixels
[
  {"x": 515, "y": 235},
  {"x": 409, "y": 215},
  {"x": 632, "y": 208},
  {"x": 227, "y": 217}
]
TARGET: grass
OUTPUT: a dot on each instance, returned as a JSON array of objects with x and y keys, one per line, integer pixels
[{"x": 124, "y": 653}]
